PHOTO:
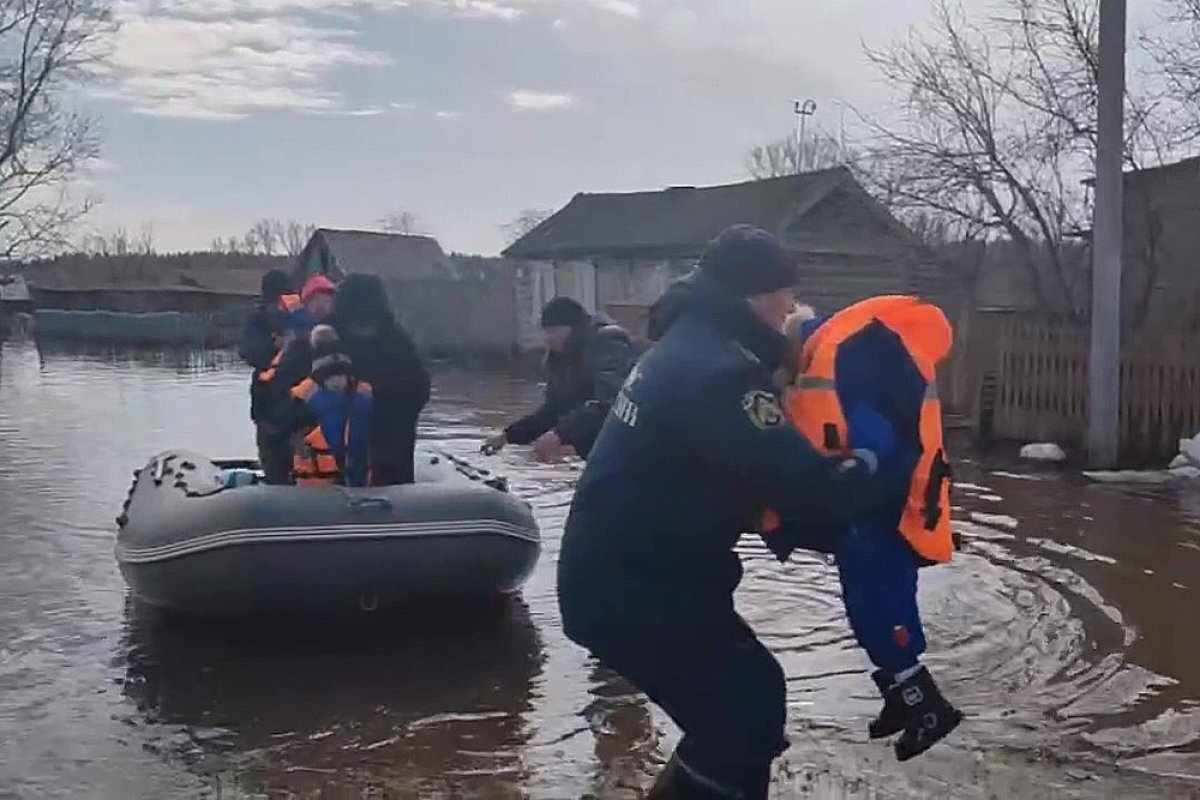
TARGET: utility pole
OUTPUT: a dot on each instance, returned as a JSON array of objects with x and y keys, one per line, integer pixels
[
  {"x": 1104, "y": 371},
  {"x": 803, "y": 109}
]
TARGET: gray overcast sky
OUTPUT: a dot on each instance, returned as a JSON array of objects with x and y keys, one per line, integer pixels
[{"x": 218, "y": 112}]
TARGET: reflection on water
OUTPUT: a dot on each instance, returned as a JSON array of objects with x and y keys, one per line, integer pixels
[
  {"x": 1065, "y": 627},
  {"x": 414, "y": 705}
]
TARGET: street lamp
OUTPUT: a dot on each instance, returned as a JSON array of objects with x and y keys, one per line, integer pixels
[{"x": 803, "y": 109}]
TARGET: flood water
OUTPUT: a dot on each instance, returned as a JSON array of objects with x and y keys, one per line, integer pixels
[{"x": 1067, "y": 629}]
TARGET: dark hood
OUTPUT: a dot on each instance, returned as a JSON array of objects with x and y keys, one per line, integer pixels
[
  {"x": 666, "y": 309},
  {"x": 700, "y": 296},
  {"x": 362, "y": 298}
]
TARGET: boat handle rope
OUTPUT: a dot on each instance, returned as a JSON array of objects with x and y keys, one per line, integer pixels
[{"x": 381, "y": 503}]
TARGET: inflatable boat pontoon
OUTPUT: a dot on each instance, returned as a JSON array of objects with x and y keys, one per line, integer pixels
[{"x": 192, "y": 540}]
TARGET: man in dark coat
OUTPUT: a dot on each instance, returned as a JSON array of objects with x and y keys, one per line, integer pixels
[
  {"x": 262, "y": 336},
  {"x": 695, "y": 447},
  {"x": 384, "y": 356},
  {"x": 586, "y": 363}
]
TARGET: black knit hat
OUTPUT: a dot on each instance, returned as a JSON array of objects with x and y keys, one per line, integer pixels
[
  {"x": 275, "y": 282},
  {"x": 747, "y": 261},
  {"x": 562, "y": 312},
  {"x": 329, "y": 358}
]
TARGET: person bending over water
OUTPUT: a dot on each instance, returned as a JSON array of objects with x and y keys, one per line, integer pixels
[{"x": 587, "y": 359}]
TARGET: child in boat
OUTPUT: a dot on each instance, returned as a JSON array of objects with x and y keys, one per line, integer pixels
[{"x": 334, "y": 408}]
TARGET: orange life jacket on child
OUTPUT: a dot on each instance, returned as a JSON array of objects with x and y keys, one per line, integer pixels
[
  {"x": 812, "y": 405},
  {"x": 313, "y": 463}
]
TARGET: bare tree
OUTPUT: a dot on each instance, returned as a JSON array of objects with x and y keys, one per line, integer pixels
[
  {"x": 997, "y": 132},
  {"x": 1175, "y": 49},
  {"x": 265, "y": 237},
  {"x": 296, "y": 236},
  {"x": 144, "y": 243},
  {"x": 527, "y": 220},
  {"x": 268, "y": 237},
  {"x": 786, "y": 157},
  {"x": 233, "y": 244},
  {"x": 116, "y": 242},
  {"x": 46, "y": 47},
  {"x": 405, "y": 222}
]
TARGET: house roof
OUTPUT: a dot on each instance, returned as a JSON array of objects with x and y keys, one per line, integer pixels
[
  {"x": 1187, "y": 167},
  {"x": 380, "y": 253},
  {"x": 220, "y": 273},
  {"x": 675, "y": 221}
]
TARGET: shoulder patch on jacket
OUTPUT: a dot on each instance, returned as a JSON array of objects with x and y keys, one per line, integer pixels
[{"x": 763, "y": 409}]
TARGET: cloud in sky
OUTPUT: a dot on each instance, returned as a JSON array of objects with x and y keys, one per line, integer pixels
[
  {"x": 224, "y": 69},
  {"x": 527, "y": 100},
  {"x": 350, "y": 112},
  {"x": 624, "y": 8},
  {"x": 486, "y": 9},
  {"x": 225, "y": 59}
]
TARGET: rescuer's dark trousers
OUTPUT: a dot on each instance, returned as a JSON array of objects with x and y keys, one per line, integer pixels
[
  {"x": 719, "y": 684},
  {"x": 274, "y": 455}
]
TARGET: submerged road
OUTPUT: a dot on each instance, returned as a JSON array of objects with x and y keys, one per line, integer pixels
[{"x": 1065, "y": 629}]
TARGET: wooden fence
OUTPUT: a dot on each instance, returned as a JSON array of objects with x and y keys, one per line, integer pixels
[{"x": 1034, "y": 387}]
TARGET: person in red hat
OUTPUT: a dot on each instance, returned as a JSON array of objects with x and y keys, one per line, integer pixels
[
  {"x": 316, "y": 305},
  {"x": 317, "y": 298}
]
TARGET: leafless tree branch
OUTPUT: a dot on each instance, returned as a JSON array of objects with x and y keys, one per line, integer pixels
[
  {"x": 404, "y": 222},
  {"x": 996, "y": 131},
  {"x": 46, "y": 47},
  {"x": 781, "y": 157},
  {"x": 523, "y": 223}
]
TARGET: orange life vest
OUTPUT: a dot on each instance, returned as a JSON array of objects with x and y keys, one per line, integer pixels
[
  {"x": 313, "y": 463},
  {"x": 813, "y": 407}
]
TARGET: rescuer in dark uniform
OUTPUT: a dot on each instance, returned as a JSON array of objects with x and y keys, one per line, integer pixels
[{"x": 695, "y": 446}]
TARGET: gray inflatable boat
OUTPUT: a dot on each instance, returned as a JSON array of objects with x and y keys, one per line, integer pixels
[{"x": 192, "y": 539}]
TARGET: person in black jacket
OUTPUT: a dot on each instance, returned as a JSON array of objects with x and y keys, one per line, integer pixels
[
  {"x": 587, "y": 359},
  {"x": 384, "y": 356},
  {"x": 262, "y": 335},
  {"x": 697, "y": 444}
]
